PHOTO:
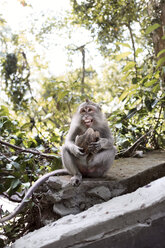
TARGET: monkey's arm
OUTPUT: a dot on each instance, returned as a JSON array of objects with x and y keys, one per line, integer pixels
[
  {"x": 70, "y": 143},
  {"x": 30, "y": 192},
  {"x": 74, "y": 149}
]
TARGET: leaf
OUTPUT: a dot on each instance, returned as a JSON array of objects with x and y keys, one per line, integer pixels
[
  {"x": 8, "y": 166},
  {"x": 138, "y": 50},
  {"x": 150, "y": 83},
  {"x": 160, "y": 62},
  {"x": 47, "y": 116},
  {"x": 122, "y": 56},
  {"x": 161, "y": 52},
  {"x": 16, "y": 165},
  {"x": 128, "y": 92},
  {"x": 126, "y": 75},
  {"x": 152, "y": 28},
  {"x": 62, "y": 94},
  {"x": 163, "y": 69},
  {"x": 156, "y": 88},
  {"x": 129, "y": 66},
  {"x": 15, "y": 183},
  {"x": 26, "y": 126},
  {"x": 154, "y": 103},
  {"x": 26, "y": 185},
  {"x": 123, "y": 95},
  {"x": 10, "y": 176},
  {"x": 118, "y": 125},
  {"x": 123, "y": 44},
  {"x": 14, "y": 157},
  {"x": 131, "y": 113},
  {"x": 1, "y": 124}
]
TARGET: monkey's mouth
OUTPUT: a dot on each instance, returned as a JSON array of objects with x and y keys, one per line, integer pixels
[{"x": 88, "y": 122}]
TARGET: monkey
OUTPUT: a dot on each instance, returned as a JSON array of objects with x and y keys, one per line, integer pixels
[
  {"x": 102, "y": 152},
  {"x": 88, "y": 150}
]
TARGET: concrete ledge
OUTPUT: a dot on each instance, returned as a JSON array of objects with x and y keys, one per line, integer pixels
[
  {"x": 60, "y": 198},
  {"x": 120, "y": 222}
]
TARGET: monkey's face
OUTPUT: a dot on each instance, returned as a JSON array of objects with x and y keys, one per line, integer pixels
[{"x": 87, "y": 115}]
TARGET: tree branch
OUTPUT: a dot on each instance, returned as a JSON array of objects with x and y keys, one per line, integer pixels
[
  {"x": 35, "y": 152},
  {"x": 131, "y": 149},
  {"x": 133, "y": 46}
]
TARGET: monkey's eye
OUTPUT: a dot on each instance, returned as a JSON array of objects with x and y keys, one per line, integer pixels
[
  {"x": 90, "y": 110},
  {"x": 82, "y": 111}
]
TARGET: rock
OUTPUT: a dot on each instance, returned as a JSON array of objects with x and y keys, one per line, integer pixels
[
  {"x": 56, "y": 183},
  {"x": 101, "y": 192},
  {"x": 125, "y": 176},
  {"x": 131, "y": 220},
  {"x": 62, "y": 210}
]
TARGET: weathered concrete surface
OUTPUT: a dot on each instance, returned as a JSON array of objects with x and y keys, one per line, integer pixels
[
  {"x": 121, "y": 222},
  {"x": 60, "y": 198}
]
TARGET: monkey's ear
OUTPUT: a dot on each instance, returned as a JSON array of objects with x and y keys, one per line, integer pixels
[{"x": 99, "y": 106}]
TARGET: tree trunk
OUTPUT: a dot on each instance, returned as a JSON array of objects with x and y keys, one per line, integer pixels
[{"x": 156, "y": 10}]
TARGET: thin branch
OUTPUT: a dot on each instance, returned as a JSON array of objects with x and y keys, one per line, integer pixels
[
  {"x": 155, "y": 129},
  {"x": 83, "y": 69},
  {"x": 132, "y": 148},
  {"x": 157, "y": 123},
  {"x": 82, "y": 50},
  {"x": 35, "y": 152},
  {"x": 5, "y": 157},
  {"x": 53, "y": 121},
  {"x": 10, "y": 198},
  {"x": 133, "y": 45}
]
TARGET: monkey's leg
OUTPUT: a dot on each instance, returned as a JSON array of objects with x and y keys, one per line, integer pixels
[
  {"x": 69, "y": 162},
  {"x": 100, "y": 163}
]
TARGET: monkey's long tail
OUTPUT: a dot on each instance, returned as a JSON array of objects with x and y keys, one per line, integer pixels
[{"x": 30, "y": 192}]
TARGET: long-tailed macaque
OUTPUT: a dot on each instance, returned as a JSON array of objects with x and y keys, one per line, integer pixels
[
  {"x": 101, "y": 153},
  {"x": 88, "y": 150}
]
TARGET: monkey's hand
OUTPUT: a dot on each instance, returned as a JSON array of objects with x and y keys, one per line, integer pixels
[
  {"x": 94, "y": 147},
  {"x": 76, "y": 151},
  {"x": 102, "y": 143}
]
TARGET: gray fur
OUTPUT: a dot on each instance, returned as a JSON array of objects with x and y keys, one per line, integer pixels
[{"x": 74, "y": 160}]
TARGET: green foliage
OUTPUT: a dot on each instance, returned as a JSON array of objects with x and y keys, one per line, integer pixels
[
  {"x": 152, "y": 28},
  {"x": 18, "y": 170},
  {"x": 16, "y": 72},
  {"x": 107, "y": 20},
  {"x": 140, "y": 93}
]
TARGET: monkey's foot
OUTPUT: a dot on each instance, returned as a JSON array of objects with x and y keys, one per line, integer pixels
[{"x": 76, "y": 180}]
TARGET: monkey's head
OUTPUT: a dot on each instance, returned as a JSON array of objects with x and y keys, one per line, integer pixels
[{"x": 90, "y": 113}]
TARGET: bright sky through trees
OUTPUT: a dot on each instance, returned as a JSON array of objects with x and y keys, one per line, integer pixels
[{"x": 19, "y": 17}]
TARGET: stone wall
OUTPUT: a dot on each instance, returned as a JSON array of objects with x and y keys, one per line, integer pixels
[
  {"x": 132, "y": 220},
  {"x": 58, "y": 198}
]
